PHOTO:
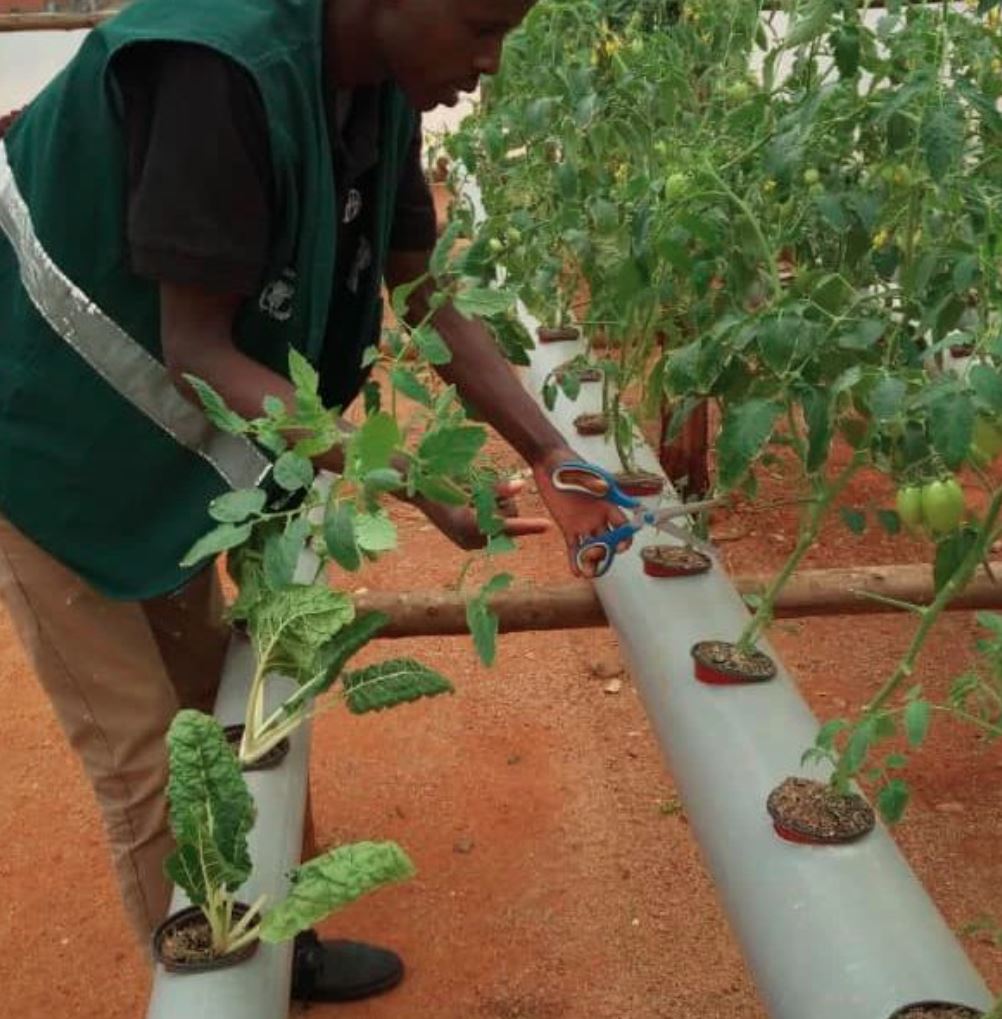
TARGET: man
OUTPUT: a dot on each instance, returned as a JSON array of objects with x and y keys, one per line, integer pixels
[{"x": 207, "y": 183}]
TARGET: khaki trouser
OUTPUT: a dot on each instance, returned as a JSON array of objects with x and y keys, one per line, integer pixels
[{"x": 116, "y": 674}]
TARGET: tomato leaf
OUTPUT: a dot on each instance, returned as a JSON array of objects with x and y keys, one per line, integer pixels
[
  {"x": 451, "y": 450},
  {"x": 951, "y": 426},
  {"x": 293, "y": 472},
  {"x": 892, "y": 800},
  {"x": 431, "y": 346},
  {"x": 918, "y": 715},
  {"x": 374, "y": 443},
  {"x": 340, "y": 537},
  {"x": 236, "y": 507},
  {"x": 221, "y": 539},
  {"x": 215, "y": 407},
  {"x": 746, "y": 430},
  {"x": 483, "y": 621},
  {"x": 855, "y": 520},
  {"x": 950, "y": 553},
  {"x": 303, "y": 375},
  {"x": 482, "y": 302},
  {"x": 408, "y": 384}
]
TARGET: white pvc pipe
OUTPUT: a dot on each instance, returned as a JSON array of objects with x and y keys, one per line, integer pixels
[
  {"x": 828, "y": 932},
  {"x": 258, "y": 988}
]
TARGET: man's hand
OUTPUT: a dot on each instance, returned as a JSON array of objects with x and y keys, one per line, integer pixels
[
  {"x": 459, "y": 524},
  {"x": 487, "y": 382},
  {"x": 577, "y": 516}
]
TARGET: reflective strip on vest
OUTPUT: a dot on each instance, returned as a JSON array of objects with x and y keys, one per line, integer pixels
[{"x": 123, "y": 363}]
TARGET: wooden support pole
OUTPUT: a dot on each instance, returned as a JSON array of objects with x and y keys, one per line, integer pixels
[
  {"x": 58, "y": 21},
  {"x": 575, "y": 605}
]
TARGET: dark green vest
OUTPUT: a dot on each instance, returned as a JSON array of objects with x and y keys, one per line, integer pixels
[{"x": 102, "y": 463}]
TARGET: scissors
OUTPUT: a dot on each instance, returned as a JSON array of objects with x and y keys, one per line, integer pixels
[{"x": 592, "y": 480}]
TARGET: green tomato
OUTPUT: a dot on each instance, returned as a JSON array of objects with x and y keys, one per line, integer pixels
[
  {"x": 495, "y": 245},
  {"x": 987, "y": 438},
  {"x": 902, "y": 175},
  {"x": 513, "y": 236},
  {"x": 738, "y": 91},
  {"x": 909, "y": 506},
  {"x": 676, "y": 184},
  {"x": 812, "y": 176},
  {"x": 943, "y": 505},
  {"x": 816, "y": 190}
]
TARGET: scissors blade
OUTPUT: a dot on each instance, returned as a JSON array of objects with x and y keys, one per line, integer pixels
[
  {"x": 661, "y": 521},
  {"x": 686, "y": 536},
  {"x": 683, "y": 509}
]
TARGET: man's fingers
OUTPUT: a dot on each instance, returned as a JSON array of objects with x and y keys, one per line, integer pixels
[
  {"x": 517, "y": 526},
  {"x": 507, "y": 507},
  {"x": 509, "y": 489}
]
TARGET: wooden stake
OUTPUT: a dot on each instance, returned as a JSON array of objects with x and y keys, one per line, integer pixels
[
  {"x": 61, "y": 22},
  {"x": 576, "y": 606}
]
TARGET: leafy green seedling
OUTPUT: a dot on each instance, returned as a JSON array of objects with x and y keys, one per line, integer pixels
[{"x": 211, "y": 814}]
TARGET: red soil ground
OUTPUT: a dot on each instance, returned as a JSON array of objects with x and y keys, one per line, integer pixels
[{"x": 556, "y": 879}]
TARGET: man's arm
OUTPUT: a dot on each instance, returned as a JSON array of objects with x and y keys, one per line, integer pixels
[
  {"x": 197, "y": 334},
  {"x": 488, "y": 382},
  {"x": 196, "y": 328}
]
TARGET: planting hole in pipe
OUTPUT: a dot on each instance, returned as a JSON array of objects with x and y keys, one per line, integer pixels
[
  {"x": 578, "y": 368},
  {"x": 183, "y": 943},
  {"x": 235, "y": 733},
  {"x": 557, "y": 334},
  {"x": 813, "y": 813},
  {"x": 591, "y": 424},
  {"x": 937, "y": 1010},
  {"x": 721, "y": 663},
  {"x": 674, "y": 561},
  {"x": 640, "y": 484}
]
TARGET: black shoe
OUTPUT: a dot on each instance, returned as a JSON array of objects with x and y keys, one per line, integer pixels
[{"x": 341, "y": 970}]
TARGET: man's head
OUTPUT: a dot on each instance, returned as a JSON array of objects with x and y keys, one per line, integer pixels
[{"x": 435, "y": 49}]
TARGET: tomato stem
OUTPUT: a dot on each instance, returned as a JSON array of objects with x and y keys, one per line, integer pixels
[
  {"x": 825, "y": 496},
  {"x": 929, "y": 616}
]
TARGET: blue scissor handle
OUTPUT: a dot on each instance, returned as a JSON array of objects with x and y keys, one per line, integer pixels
[
  {"x": 608, "y": 542},
  {"x": 563, "y": 480},
  {"x": 609, "y": 491}
]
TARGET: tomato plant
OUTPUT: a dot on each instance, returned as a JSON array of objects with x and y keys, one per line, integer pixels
[{"x": 792, "y": 214}]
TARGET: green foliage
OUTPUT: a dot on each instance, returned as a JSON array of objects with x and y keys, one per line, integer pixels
[
  {"x": 211, "y": 814},
  {"x": 215, "y": 407},
  {"x": 483, "y": 621},
  {"x": 219, "y": 539},
  {"x": 482, "y": 302},
  {"x": 800, "y": 247},
  {"x": 211, "y": 810},
  {"x": 390, "y": 683},
  {"x": 330, "y": 882},
  {"x": 745, "y": 432},
  {"x": 236, "y": 507}
]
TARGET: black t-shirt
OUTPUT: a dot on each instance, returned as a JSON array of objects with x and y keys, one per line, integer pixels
[{"x": 200, "y": 206}]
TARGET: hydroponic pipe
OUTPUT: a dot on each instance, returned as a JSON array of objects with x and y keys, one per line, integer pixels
[
  {"x": 827, "y": 932},
  {"x": 259, "y": 987}
]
